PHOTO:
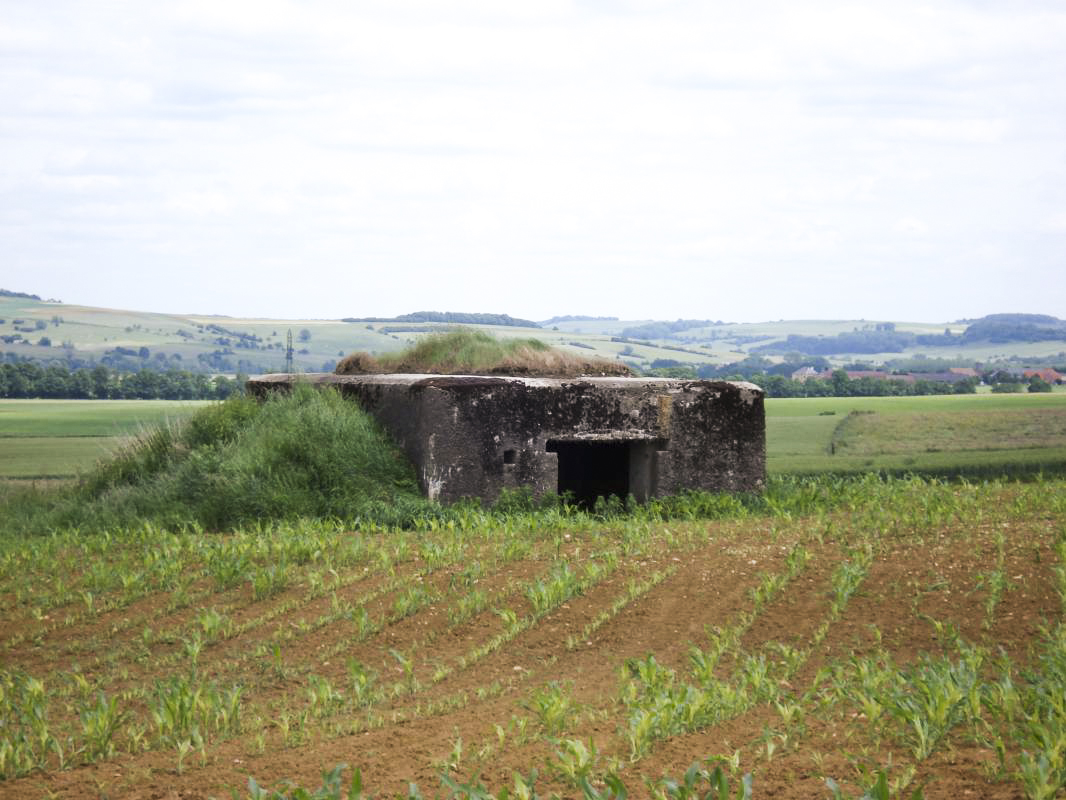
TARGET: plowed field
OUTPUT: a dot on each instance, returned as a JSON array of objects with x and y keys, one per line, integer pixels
[{"x": 915, "y": 631}]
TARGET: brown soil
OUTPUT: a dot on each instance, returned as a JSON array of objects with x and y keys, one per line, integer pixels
[{"x": 913, "y": 582}]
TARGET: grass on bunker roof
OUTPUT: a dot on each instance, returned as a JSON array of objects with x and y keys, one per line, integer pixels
[{"x": 474, "y": 352}]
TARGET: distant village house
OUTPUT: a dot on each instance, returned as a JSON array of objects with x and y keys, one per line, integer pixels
[{"x": 1048, "y": 374}]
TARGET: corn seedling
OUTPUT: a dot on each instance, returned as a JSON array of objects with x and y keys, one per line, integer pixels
[
  {"x": 214, "y": 625},
  {"x": 574, "y": 761},
  {"x": 364, "y": 625},
  {"x": 176, "y": 710},
  {"x": 468, "y": 606},
  {"x": 361, "y": 680},
  {"x": 932, "y": 697},
  {"x": 270, "y": 580},
  {"x": 410, "y": 601},
  {"x": 227, "y": 564},
  {"x": 996, "y": 584},
  {"x": 100, "y": 722},
  {"x": 845, "y": 580},
  {"x": 455, "y": 757},
  {"x": 878, "y": 790},
  {"x": 791, "y": 713},
  {"x": 703, "y": 663},
  {"x": 323, "y": 698},
  {"x": 508, "y": 617},
  {"x": 549, "y": 593},
  {"x": 769, "y": 586},
  {"x": 187, "y": 746},
  {"x": 192, "y": 646},
  {"x": 407, "y": 667},
  {"x": 28, "y": 737},
  {"x": 553, "y": 707},
  {"x": 224, "y": 708},
  {"x": 700, "y": 784}
]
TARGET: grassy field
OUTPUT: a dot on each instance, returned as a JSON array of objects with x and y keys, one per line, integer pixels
[
  {"x": 58, "y": 438},
  {"x": 848, "y": 434}
]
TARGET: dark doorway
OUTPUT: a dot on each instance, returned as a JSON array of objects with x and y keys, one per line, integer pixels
[{"x": 588, "y": 470}]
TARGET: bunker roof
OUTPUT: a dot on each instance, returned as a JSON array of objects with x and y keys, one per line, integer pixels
[{"x": 460, "y": 381}]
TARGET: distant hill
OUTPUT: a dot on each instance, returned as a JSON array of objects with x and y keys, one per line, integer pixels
[
  {"x": 84, "y": 336},
  {"x": 663, "y": 330},
  {"x": 862, "y": 342},
  {"x": 577, "y": 318},
  {"x": 884, "y": 338},
  {"x": 7, "y": 293},
  {"x": 452, "y": 318},
  {"x": 47, "y": 332},
  {"x": 1002, "y": 328}
]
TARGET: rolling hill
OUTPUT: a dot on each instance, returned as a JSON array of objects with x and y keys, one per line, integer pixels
[{"x": 50, "y": 331}]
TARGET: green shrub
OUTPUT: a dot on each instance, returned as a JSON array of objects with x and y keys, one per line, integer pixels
[{"x": 1038, "y": 384}]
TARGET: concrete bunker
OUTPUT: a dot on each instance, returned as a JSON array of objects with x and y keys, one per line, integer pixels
[{"x": 475, "y": 436}]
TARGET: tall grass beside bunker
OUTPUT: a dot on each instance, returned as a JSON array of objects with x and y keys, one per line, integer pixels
[{"x": 305, "y": 453}]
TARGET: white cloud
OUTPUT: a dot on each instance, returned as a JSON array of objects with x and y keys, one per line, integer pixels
[
  {"x": 642, "y": 160},
  {"x": 910, "y": 225}
]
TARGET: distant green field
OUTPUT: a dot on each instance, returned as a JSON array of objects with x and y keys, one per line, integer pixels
[
  {"x": 936, "y": 432},
  {"x": 58, "y": 438},
  {"x": 52, "y": 456}
]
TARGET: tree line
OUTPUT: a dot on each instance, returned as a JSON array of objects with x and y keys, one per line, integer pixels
[
  {"x": 452, "y": 318},
  {"x": 27, "y": 379},
  {"x": 838, "y": 385},
  {"x": 22, "y": 295},
  {"x": 879, "y": 340},
  {"x": 665, "y": 329}
]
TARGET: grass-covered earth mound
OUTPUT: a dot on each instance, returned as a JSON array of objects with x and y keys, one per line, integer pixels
[
  {"x": 240, "y": 462},
  {"x": 471, "y": 352}
]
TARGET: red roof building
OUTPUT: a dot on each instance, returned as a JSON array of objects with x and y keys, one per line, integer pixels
[{"x": 1048, "y": 374}]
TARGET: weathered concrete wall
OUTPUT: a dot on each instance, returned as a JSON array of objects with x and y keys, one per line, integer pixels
[{"x": 475, "y": 436}]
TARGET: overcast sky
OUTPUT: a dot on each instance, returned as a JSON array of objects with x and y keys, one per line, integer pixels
[{"x": 743, "y": 161}]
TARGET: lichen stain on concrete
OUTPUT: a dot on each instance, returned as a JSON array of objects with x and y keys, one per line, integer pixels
[{"x": 666, "y": 405}]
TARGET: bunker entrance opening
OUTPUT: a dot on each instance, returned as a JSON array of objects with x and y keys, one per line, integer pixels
[{"x": 596, "y": 468}]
